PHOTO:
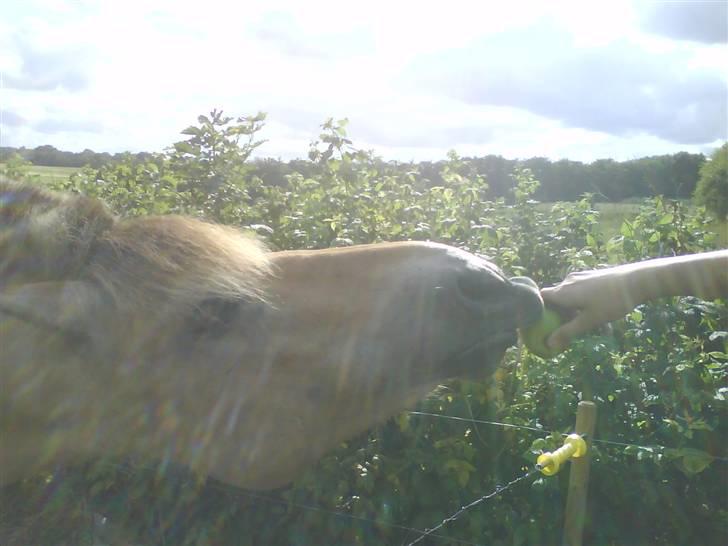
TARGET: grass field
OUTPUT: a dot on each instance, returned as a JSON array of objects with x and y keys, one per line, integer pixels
[
  {"x": 611, "y": 216},
  {"x": 50, "y": 174}
]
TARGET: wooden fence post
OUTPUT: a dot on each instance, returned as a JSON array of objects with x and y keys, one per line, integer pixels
[{"x": 586, "y": 415}]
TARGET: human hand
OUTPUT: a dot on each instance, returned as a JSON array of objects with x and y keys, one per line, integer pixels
[
  {"x": 587, "y": 300},
  {"x": 591, "y": 298}
]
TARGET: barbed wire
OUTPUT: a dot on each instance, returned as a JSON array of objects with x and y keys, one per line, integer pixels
[
  {"x": 423, "y": 533},
  {"x": 432, "y": 532},
  {"x": 362, "y": 519},
  {"x": 498, "y": 490},
  {"x": 235, "y": 492}
]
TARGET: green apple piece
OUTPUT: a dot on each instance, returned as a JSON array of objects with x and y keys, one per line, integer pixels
[{"x": 535, "y": 336}]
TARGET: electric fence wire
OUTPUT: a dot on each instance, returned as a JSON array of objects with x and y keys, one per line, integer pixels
[
  {"x": 544, "y": 431},
  {"x": 433, "y": 531}
]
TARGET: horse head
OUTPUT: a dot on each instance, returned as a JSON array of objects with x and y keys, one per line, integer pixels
[{"x": 169, "y": 338}]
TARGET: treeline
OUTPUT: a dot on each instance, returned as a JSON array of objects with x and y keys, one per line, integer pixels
[
  {"x": 49, "y": 156},
  {"x": 674, "y": 176}
]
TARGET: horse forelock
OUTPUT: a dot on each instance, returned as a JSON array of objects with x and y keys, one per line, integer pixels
[
  {"x": 179, "y": 262},
  {"x": 152, "y": 262}
]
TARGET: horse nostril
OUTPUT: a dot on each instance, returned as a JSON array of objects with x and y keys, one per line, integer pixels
[
  {"x": 482, "y": 288},
  {"x": 528, "y": 301}
]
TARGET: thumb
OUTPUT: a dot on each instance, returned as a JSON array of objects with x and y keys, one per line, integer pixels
[{"x": 562, "y": 336}]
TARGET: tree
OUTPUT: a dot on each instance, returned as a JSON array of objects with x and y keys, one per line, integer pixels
[
  {"x": 685, "y": 169},
  {"x": 712, "y": 188},
  {"x": 213, "y": 160},
  {"x": 16, "y": 167}
]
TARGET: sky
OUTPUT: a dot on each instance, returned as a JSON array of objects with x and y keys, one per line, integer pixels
[{"x": 578, "y": 80}]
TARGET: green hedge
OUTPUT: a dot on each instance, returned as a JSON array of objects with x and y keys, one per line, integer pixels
[{"x": 658, "y": 377}]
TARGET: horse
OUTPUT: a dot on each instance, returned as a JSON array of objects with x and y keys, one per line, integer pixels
[{"x": 169, "y": 338}]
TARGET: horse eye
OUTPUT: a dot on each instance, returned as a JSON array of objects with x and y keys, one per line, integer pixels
[{"x": 214, "y": 316}]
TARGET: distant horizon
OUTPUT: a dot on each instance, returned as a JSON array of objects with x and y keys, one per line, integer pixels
[
  {"x": 258, "y": 156},
  {"x": 566, "y": 79}
]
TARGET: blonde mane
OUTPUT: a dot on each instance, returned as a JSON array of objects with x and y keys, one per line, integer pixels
[
  {"x": 144, "y": 262},
  {"x": 158, "y": 259}
]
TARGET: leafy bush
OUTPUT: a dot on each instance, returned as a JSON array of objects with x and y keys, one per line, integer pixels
[
  {"x": 712, "y": 188},
  {"x": 17, "y": 168},
  {"x": 659, "y": 378}
]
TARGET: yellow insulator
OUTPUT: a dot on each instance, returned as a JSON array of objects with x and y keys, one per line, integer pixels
[{"x": 574, "y": 446}]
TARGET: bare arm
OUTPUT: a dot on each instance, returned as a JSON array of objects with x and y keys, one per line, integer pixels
[{"x": 608, "y": 294}]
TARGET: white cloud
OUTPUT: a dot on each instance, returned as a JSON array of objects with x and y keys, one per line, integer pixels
[
  {"x": 621, "y": 89},
  {"x": 703, "y": 21},
  {"x": 130, "y": 75}
]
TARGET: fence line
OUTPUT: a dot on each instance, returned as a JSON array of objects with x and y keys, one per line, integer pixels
[
  {"x": 544, "y": 431},
  {"x": 498, "y": 490},
  {"x": 334, "y": 513},
  {"x": 233, "y": 491}
]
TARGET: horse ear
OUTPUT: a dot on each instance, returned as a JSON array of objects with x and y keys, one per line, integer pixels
[{"x": 67, "y": 308}]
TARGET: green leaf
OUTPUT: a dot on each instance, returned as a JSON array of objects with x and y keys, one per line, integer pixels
[
  {"x": 695, "y": 461},
  {"x": 403, "y": 421},
  {"x": 627, "y": 229},
  {"x": 191, "y": 130}
]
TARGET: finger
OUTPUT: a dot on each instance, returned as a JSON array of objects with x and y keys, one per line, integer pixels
[
  {"x": 559, "y": 295},
  {"x": 548, "y": 291},
  {"x": 581, "y": 324},
  {"x": 550, "y": 294}
]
